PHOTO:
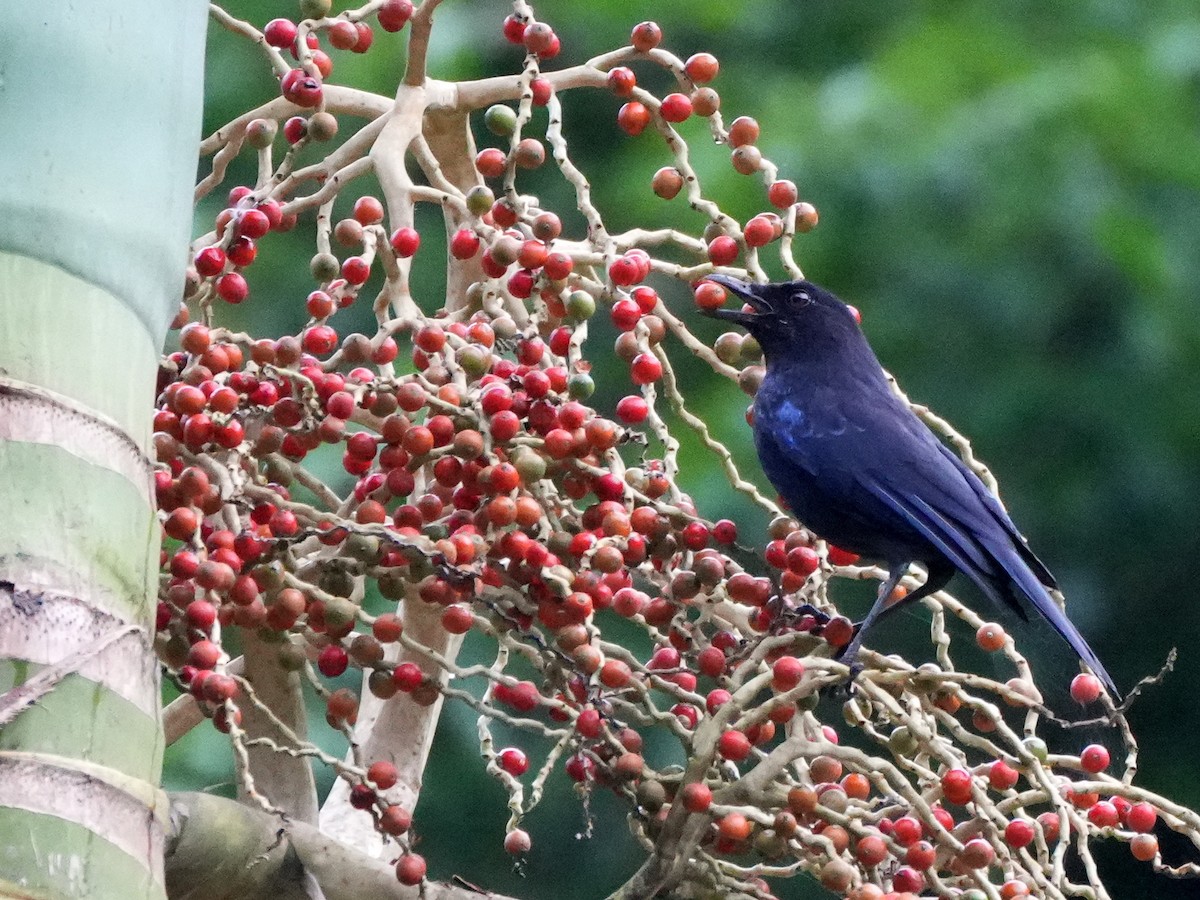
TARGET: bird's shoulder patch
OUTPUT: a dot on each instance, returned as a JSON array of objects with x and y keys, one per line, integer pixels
[{"x": 818, "y": 417}]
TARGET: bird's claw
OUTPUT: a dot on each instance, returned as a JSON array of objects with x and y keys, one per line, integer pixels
[
  {"x": 807, "y": 609},
  {"x": 804, "y": 617},
  {"x": 846, "y": 688}
]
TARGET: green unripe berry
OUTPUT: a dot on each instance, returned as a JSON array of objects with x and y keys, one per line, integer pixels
[
  {"x": 500, "y": 120},
  {"x": 315, "y": 9},
  {"x": 580, "y": 305},
  {"x": 480, "y": 199},
  {"x": 580, "y": 386}
]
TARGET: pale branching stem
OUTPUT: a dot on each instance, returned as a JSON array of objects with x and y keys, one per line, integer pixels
[
  {"x": 698, "y": 425},
  {"x": 418, "y": 42},
  {"x": 330, "y": 189},
  {"x": 239, "y": 26}
]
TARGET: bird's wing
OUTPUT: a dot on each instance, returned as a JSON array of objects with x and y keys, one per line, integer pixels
[
  {"x": 1004, "y": 564},
  {"x": 992, "y": 503},
  {"x": 897, "y": 475}
]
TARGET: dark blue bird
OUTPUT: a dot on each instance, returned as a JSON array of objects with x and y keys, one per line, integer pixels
[{"x": 858, "y": 467}]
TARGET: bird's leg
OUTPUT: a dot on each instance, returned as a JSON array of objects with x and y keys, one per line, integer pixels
[
  {"x": 782, "y": 611},
  {"x": 849, "y": 653},
  {"x": 939, "y": 574}
]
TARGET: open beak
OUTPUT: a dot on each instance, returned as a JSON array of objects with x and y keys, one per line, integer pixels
[{"x": 747, "y": 291}]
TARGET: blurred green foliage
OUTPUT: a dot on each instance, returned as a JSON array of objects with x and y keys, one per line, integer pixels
[{"x": 1010, "y": 193}]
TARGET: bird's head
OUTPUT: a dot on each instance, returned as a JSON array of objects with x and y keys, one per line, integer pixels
[{"x": 787, "y": 315}]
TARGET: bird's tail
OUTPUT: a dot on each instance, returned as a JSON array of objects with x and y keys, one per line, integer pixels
[{"x": 1024, "y": 581}]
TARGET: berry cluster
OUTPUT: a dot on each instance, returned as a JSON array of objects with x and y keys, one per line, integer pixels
[{"x": 483, "y": 492}]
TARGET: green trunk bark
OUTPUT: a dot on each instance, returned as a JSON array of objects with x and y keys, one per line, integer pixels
[{"x": 102, "y": 110}]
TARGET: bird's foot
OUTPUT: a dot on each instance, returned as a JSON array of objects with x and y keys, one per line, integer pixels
[
  {"x": 846, "y": 688},
  {"x": 804, "y": 617},
  {"x": 819, "y": 616}
]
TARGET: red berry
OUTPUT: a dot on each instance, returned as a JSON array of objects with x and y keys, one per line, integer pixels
[
  {"x": 909, "y": 879},
  {"x": 701, "y": 67},
  {"x": 722, "y": 250},
  {"x": 675, "y": 107},
  {"x": 743, "y": 130},
  {"x": 1104, "y": 815},
  {"x": 786, "y": 673},
  {"x": 356, "y": 270},
  {"x": 464, "y": 244},
  {"x": 782, "y": 193},
  {"x": 538, "y": 37},
  {"x": 1094, "y": 758},
  {"x": 646, "y": 36},
  {"x": 632, "y": 410},
  {"x": 209, "y": 261},
  {"x": 907, "y": 831},
  {"x": 383, "y": 774},
  {"x": 457, "y": 618},
  {"x": 301, "y": 88},
  {"x": 394, "y": 14},
  {"x": 253, "y": 223},
  {"x": 1018, "y": 833},
  {"x": 624, "y": 271},
  {"x": 759, "y": 231},
  {"x": 405, "y": 241},
  {"x": 646, "y": 298},
  {"x": 626, "y": 314},
  {"x": 588, "y": 722},
  {"x": 514, "y": 29},
  {"x": 343, "y": 35},
  {"x": 558, "y": 266},
  {"x": 1002, "y": 776},
  {"x": 295, "y": 129},
  {"x": 615, "y": 674},
  {"x": 367, "y": 210},
  {"x": 696, "y": 797},
  {"x": 1141, "y": 817},
  {"x": 542, "y": 91},
  {"x": 695, "y": 535},
  {"x": 1085, "y": 688},
  {"x": 709, "y": 295},
  {"x": 410, "y": 869},
  {"x": 956, "y": 786},
  {"x": 407, "y": 676},
  {"x": 645, "y": 368},
  {"x": 1144, "y": 847},
  {"x": 871, "y": 850},
  {"x": 977, "y": 853},
  {"x": 232, "y": 287},
  {"x": 621, "y": 81},
  {"x": 491, "y": 162},
  {"x": 280, "y": 33},
  {"x": 734, "y": 746},
  {"x": 633, "y": 118},
  {"x": 366, "y": 37},
  {"x": 513, "y": 761},
  {"x": 803, "y": 560},
  {"x": 242, "y": 251},
  {"x": 1050, "y": 826},
  {"x": 333, "y": 660},
  {"x": 319, "y": 340},
  {"x": 580, "y": 768}
]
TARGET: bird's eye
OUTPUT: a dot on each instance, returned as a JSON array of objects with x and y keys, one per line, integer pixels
[{"x": 803, "y": 299}]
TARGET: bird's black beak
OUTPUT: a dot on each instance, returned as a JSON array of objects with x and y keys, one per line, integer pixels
[{"x": 748, "y": 291}]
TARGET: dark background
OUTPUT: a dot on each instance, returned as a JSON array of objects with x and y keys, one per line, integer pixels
[{"x": 1009, "y": 192}]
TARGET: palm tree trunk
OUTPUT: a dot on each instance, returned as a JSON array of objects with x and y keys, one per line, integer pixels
[{"x": 102, "y": 117}]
